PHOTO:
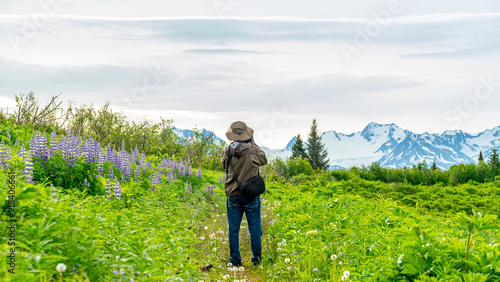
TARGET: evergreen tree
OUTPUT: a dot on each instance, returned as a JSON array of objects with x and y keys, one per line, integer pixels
[
  {"x": 480, "y": 159},
  {"x": 316, "y": 151},
  {"x": 434, "y": 166},
  {"x": 298, "y": 150},
  {"x": 494, "y": 163}
]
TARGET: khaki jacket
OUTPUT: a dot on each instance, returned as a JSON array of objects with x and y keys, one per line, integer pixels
[{"x": 247, "y": 157}]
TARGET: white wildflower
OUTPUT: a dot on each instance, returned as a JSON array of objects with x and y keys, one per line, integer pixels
[
  {"x": 61, "y": 267},
  {"x": 400, "y": 259},
  {"x": 287, "y": 260}
]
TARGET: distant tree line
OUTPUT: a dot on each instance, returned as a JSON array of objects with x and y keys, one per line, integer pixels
[{"x": 422, "y": 174}]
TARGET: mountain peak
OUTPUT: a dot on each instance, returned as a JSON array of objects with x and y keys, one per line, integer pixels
[{"x": 384, "y": 131}]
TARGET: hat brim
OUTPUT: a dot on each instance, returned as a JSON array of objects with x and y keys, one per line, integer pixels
[{"x": 239, "y": 137}]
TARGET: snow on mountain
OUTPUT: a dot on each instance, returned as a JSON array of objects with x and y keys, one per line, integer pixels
[
  {"x": 392, "y": 146},
  {"x": 186, "y": 133}
]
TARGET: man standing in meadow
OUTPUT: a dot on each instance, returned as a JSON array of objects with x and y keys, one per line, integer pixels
[{"x": 241, "y": 160}]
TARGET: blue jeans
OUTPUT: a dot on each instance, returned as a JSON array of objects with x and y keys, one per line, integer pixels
[{"x": 236, "y": 206}]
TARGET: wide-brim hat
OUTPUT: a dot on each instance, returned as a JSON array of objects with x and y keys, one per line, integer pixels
[{"x": 239, "y": 131}]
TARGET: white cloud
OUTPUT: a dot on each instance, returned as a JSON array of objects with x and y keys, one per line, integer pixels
[{"x": 212, "y": 72}]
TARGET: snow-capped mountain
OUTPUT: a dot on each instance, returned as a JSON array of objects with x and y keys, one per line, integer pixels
[
  {"x": 186, "y": 133},
  {"x": 392, "y": 146}
]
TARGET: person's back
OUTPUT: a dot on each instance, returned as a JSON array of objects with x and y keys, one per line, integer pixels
[{"x": 241, "y": 160}]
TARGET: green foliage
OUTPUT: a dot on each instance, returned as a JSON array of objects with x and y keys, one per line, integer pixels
[
  {"x": 145, "y": 236},
  {"x": 291, "y": 167},
  {"x": 204, "y": 150},
  {"x": 298, "y": 149},
  {"x": 316, "y": 151},
  {"x": 323, "y": 236}
]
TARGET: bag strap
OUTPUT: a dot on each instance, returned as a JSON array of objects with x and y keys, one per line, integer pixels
[{"x": 229, "y": 156}]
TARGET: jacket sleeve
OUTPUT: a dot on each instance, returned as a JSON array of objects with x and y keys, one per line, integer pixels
[
  {"x": 261, "y": 156},
  {"x": 224, "y": 158}
]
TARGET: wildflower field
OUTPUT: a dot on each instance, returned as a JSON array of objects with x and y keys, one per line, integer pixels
[{"x": 74, "y": 209}]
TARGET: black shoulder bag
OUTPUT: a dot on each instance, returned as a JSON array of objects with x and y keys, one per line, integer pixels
[{"x": 251, "y": 188}]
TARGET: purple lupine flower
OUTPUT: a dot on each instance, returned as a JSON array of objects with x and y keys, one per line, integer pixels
[
  {"x": 70, "y": 150},
  {"x": 186, "y": 187},
  {"x": 128, "y": 172},
  {"x": 180, "y": 166},
  {"x": 8, "y": 136},
  {"x": 108, "y": 154},
  {"x": 143, "y": 162},
  {"x": 124, "y": 160},
  {"x": 100, "y": 164},
  {"x": 22, "y": 153},
  {"x": 3, "y": 153},
  {"x": 43, "y": 150},
  {"x": 190, "y": 188},
  {"x": 97, "y": 150},
  {"x": 28, "y": 170},
  {"x": 117, "y": 190},
  {"x": 33, "y": 144},
  {"x": 53, "y": 143},
  {"x": 199, "y": 173},
  {"x": 137, "y": 172},
  {"x": 111, "y": 173},
  {"x": 108, "y": 187},
  {"x": 90, "y": 151},
  {"x": 136, "y": 154},
  {"x": 85, "y": 183},
  {"x": 190, "y": 172},
  {"x": 8, "y": 157}
]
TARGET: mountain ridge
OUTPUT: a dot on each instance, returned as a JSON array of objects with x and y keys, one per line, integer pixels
[{"x": 392, "y": 146}]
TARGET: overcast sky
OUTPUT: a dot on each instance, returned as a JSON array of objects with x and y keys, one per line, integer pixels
[{"x": 423, "y": 65}]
